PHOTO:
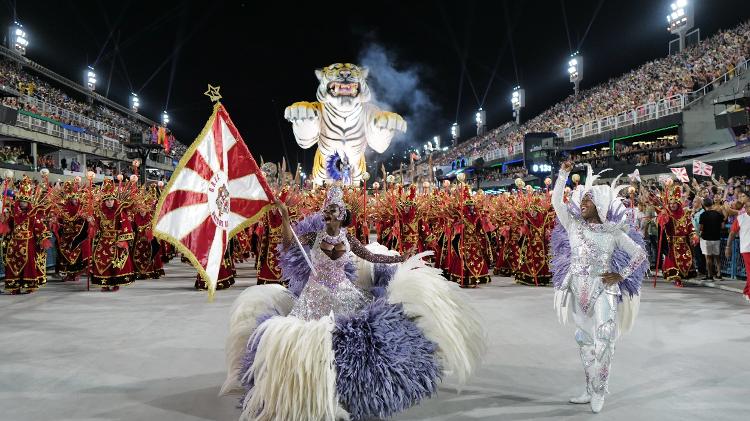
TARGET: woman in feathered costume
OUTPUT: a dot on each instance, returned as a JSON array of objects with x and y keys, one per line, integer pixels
[
  {"x": 357, "y": 334},
  {"x": 598, "y": 264}
]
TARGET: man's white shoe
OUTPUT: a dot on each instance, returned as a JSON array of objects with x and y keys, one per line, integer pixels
[
  {"x": 584, "y": 398},
  {"x": 597, "y": 403}
]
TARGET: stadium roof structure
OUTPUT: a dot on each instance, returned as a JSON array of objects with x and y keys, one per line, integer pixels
[{"x": 729, "y": 154}]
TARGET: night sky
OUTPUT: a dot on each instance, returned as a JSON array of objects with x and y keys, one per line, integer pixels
[{"x": 263, "y": 55}]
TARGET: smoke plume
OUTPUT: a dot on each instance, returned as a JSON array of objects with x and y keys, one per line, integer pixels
[{"x": 399, "y": 89}]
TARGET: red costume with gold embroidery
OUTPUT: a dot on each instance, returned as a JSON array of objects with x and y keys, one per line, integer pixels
[
  {"x": 29, "y": 237},
  {"x": 71, "y": 232},
  {"x": 146, "y": 249},
  {"x": 678, "y": 231},
  {"x": 408, "y": 236},
  {"x": 503, "y": 208},
  {"x": 538, "y": 222},
  {"x": 471, "y": 256},
  {"x": 112, "y": 261},
  {"x": 268, "y": 268}
]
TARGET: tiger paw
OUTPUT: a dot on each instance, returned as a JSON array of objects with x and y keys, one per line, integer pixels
[
  {"x": 386, "y": 120},
  {"x": 302, "y": 111}
]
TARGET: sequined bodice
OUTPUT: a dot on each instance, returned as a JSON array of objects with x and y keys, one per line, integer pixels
[
  {"x": 591, "y": 247},
  {"x": 328, "y": 290},
  {"x": 330, "y": 272},
  {"x": 591, "y": 250}
]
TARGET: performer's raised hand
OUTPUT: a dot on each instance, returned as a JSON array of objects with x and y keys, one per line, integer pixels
[
  {"x": 567, "y": 166},
  {"x": 282, "y": 209}
]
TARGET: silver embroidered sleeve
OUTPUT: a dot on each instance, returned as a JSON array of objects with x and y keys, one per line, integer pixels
[
  {"x": 635, "y": 261},
  {"x": 361, "y": 251},
  {"x": 637, "y": 254},
  {"x": 557, "y": 199}
]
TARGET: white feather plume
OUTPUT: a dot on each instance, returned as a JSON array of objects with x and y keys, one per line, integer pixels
[
  {"x": 247, "y": 307},
  {"x": 293, "y": 372},
  {"x": 627, "y": 312},
  {"x": 440, "y": 310}
]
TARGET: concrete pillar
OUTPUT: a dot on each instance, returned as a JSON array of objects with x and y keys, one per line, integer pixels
[
  {"x": 34, "y": 156},
  {"x": 84, "y": 165}
]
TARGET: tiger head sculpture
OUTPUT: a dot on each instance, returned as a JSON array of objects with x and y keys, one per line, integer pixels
[{"x": 343, "y": 85}]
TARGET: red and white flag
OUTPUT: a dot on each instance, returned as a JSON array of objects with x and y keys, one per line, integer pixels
[
  {"x": 216, "y": 191},
  {"x": 681, "y": 174},
  {"x": 701, "y": 168}
]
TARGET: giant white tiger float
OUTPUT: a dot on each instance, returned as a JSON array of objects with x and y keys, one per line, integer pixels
[{"x": 343, "y": 123}]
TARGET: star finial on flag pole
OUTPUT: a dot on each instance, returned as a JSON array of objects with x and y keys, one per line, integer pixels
[{"x": 213, "y": 93}]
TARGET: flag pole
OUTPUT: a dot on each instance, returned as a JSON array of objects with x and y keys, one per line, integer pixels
[{"x": 304, "y": 253}]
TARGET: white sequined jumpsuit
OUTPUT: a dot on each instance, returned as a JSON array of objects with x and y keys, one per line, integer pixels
[{"x": 594, "y": 304}]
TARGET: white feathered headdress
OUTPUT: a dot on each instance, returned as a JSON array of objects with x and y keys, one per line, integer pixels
[{"x": 605, "y": 197}]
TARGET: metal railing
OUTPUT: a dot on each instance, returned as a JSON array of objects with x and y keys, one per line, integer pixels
[
  {"x": 86, "y": 122},
  {"x": 36, "y": 125},
  {"x": 646, "y": 112},
  {"x": 503, "y": 152},
  {"x": 696, "y": 95},
  {"x": 650, "y": 111}
]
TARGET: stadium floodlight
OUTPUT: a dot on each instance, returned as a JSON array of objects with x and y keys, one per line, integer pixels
[
  {"x": 455, "y": 133},
  {"x": 436, "y": 142},
  {"x": 17, "y": 39},
  {"x": 134, "y": 102},
  {"x": 575, "y": 70},
  {"x": 680, "y": 20},
  {"x": 164, "y": 119},
  {"x": 518, "y": 101},
  {"x": 481, "y": 118},
  {"x": 89, "y": 78}
]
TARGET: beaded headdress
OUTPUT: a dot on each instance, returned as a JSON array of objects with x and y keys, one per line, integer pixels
[
  {"x": 25, "y": 191},
  {"x": 335, "y": 196}
]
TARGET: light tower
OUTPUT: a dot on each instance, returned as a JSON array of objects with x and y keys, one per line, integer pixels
[
  {"x": 481, "y": 118},
  {"x": 680, "y": 20},
  {"x": 135, "y": 103},
  {"x": 17, "y": 39},
  {"x": 436, "y": 142},
  {"x": 518, "y": 101},
  {"x": 455, "y": 133},
  {"x": 575, "y": 70},
  {"x": 164, "y": 119},
  {"x": 89, "y": 78}
]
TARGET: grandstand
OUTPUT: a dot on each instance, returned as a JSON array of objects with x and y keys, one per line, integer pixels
[
  {"x": 48, "y": 121},
  {"x": 650, "y": 117}
]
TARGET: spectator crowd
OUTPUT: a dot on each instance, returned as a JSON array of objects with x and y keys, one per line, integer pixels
[
  {"x": 701, "y": 65},
  {"x": 95, "y": 119}
]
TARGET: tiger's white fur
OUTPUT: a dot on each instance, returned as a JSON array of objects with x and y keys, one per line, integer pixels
[{"x": 342, "y": 120}]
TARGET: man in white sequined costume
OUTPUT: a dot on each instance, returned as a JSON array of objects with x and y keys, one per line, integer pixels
[{"x": 590, "y": 289}]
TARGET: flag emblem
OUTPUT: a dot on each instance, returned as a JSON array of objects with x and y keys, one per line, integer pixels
[
  {"x": 681, "y": 174},
  {"x": 216, "y": 191},
  {"x": 701, "y": 168}
]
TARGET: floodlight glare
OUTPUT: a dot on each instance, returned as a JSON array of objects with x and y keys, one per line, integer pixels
[
  {"x": 17, "y": 39},
  {"x": 89, "y": 78}
]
